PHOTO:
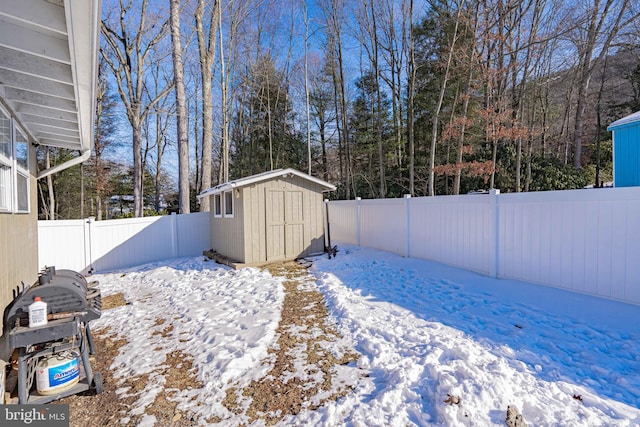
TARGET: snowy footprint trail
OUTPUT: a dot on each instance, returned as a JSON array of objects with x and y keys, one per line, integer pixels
[
  {"x": 224, "y": 319},
  {"x": 424, "y": 337}
]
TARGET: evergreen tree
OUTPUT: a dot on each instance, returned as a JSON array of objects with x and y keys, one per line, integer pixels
[{"x": 263, "y": 131}]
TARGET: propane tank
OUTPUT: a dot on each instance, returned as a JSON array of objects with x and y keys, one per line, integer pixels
[{"x": 57, "y": 373}]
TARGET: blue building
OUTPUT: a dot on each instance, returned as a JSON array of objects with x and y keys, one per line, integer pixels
[{"x": 626, "y": 151}]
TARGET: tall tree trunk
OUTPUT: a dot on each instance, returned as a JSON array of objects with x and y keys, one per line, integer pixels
[
  {"x": 206, "y": 49},
  {"x": 599, "y": 122},
  {"x": 596, "y": 21},
  {"x": 465, "y": 104},
  {"x": 411, "y": 80},
  {"x": 436, "y": 113},
  {"x": 138, "y": 194},
  {"x": 224, "y": 164},
  {"x": 306, "y": 85},
  {"x": 378, "y": 110},
  {"x": 126, "y": 53},
  {"x": 181, "y": 112},
  {"x": 52, "y": 194}
]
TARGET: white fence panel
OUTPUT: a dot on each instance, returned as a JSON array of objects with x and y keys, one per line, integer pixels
[
  {"x": 383, "y": 225},
  {"x": 343, "y": 220},
  {"x": 130, "y": 242},
  {"x": 192, "y": 233},
  {"x": 85, "y": 245},
  {"x": 453, "y": 230},
  {"x": 581, "y": 240},
  {"x": 62, "y": 243}
]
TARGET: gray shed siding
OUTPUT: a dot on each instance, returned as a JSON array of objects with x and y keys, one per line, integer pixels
[
  {"x": 255, "y": 237},
  {"x": 279, "y": 218},
  {"x": 227, "y": 234},
  {"x": 255, "y": 221}
]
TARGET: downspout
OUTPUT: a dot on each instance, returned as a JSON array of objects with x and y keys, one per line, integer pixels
[{"x": 84, "y": 156}]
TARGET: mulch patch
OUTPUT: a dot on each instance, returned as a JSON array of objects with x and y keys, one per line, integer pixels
[{"x": 304, "y": 327}]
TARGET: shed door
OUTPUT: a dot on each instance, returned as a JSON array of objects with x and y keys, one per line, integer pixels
[
  {"x": 285, "y": 224},
  {"x": 294, "y": 224}
]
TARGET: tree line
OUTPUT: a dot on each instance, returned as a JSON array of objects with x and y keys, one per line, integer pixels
[{"x": 382, "y": 98}]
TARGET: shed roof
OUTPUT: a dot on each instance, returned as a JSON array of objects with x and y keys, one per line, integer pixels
[
  {"x": 265, "y": 176},
  {"x": 631, "y": 118}
]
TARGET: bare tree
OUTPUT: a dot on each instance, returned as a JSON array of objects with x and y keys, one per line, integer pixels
[
  {"x": 207, "y": 50},
  {"x": 436, "y": 113},
  {"x": 471, "y": 58},
  {"x": 129, "y": 39},
  {"x": 224, "y": 84},
  {"x": 104, "y": 127},
  {"x": 599, "y": 27},
  {"x": 306, "y": 83},
  {"x": 368, "y": 20},
  {"x": 334, "y": 14},
  {"x": 181, "y": 110},
  {"x": 52, "y": 195},
  {"x": 411, "y": 84}
]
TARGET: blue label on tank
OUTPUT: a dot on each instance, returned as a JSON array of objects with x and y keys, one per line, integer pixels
[{"x": 64, "y": 373}]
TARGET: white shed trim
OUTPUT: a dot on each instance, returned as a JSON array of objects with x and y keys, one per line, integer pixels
[
  {"x": 631, "y": 118},
  {"x": 243, "y": 182}
]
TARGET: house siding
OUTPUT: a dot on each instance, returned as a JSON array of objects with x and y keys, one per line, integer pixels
[{"x": 19, "y": 245}]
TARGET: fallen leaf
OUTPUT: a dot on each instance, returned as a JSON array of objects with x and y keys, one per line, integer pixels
[{"x": 452, "y": 400}]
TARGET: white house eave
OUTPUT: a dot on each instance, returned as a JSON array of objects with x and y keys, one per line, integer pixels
[
  {"x": 48, "y": 69},
  {"x": 243, "y": 182}
]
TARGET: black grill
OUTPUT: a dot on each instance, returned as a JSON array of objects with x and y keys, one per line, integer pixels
[
  {"x": 71, "y": 304},
  {"x": 66, "y": 293}
]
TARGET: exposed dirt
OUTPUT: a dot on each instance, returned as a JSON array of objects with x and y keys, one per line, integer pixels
[{"x": 285, "y": 390}]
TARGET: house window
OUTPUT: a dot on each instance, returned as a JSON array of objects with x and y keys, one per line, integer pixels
[
  {"x": 6, "y": 154},
  {"x": 217, "y": 205},
  {"x": 228, "y": 204},
  {"x": 22, "y": 171},
  {"x": 5, "y": 188},
  {"x": 14, "y": 166}
]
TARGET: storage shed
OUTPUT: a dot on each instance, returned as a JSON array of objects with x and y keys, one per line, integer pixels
[
  {"x": 626, "y": 150},
  {"x": 272, "y": 216}
]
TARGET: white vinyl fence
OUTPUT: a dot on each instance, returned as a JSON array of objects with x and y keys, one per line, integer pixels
[
  {"x": 581, "y": 240},
  {"x": 91, "y": 246}
]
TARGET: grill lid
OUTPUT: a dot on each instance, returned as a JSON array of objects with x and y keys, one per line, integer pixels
[{"x": 64, "y": 291}]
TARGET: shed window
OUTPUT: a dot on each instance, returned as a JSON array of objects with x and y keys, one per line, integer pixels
[
  {"x": 217, "y": 205},
  {"x": 228, "y": 204}
]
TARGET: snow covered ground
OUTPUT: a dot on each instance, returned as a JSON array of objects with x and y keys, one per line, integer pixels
[{"x": 424, "y": 330}]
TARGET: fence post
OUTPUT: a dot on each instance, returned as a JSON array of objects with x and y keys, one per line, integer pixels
[
  {"x": 494, "y": 252},
  {"x": 89, "y": 235},
  {"x": 325, "y": 216},
  {"x": 358, "y": 222},
  {"x": 407, "y": 198},
  {"x": 174, "y": 235}
]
